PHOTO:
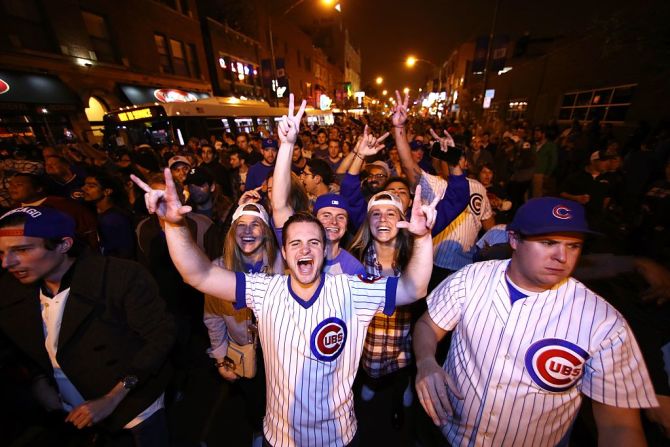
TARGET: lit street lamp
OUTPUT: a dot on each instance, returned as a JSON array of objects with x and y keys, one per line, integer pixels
[
  {"x": 379, "y": 80},
  {"x": 405, "y": 90},
  {"x": 273, "y": 65},
  {"x": 385, "y": 92}
]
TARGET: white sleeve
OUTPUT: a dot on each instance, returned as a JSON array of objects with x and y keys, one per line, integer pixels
[
  {"x": 446, "y": 301},
  {"x": 216, "y": 327},
  {"x": 616, "y": 374},
  {"x": 371, "y": 295},
  {"x": 251, "y": 288},
  {"x": 432, "y": 186}
]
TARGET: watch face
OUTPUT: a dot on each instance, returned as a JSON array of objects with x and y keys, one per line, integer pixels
[{"x": 129, "y": 382}]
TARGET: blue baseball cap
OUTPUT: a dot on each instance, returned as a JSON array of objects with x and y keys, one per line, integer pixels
[
  {"x": 415, "y": 144},
  {"x": 270, "y": 143},
  {"x": 334, "y": 200},
  {"x": 40, "y": 221},
  {"x": 546, "y": 215}
]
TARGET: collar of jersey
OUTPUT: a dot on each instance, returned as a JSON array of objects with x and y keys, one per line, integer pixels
[{"x": 308, "y": 303}]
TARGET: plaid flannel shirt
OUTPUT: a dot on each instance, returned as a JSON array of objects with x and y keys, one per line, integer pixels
[{"x": 388, "y": 344}]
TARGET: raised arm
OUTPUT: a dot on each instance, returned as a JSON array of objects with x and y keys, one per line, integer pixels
[
  {"x": 413, "y": 283},
  {"x": 351, "y": 183},
  {"x": 287, "y": 129},
  {"x": 399, "y": 118},
  {"x": 366, "y": 146},
  {"x": 193, "y": 265}
]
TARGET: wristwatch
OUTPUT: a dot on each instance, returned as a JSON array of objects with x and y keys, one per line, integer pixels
[{"x": 129, "y": 382}]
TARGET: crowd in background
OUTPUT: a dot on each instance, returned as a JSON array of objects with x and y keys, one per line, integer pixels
[{"x": 623, "y": 181}]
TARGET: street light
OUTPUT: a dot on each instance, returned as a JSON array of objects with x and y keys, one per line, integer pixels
[
  {"x": 405, "y": 90},
  {"x": 410, "y": 61},
  {"x": 273, "y": 65},
  {"x": 379, "y": 80},
  {"x": 385, "y": 92}
]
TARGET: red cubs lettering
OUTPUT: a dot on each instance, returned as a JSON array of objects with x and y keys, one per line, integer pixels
[{"x": 330, "y": 342}]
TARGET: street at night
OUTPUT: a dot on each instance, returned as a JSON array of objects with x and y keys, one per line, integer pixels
[{"x": 323, "y": 223}]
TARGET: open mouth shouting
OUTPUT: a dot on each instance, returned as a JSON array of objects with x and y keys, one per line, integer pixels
[{"x": 305, "y": 265}]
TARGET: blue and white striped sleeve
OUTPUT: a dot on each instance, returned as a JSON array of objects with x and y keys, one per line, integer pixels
[
  {"x": 616, "y": 374},
  {"x": 445, "y": 302}
]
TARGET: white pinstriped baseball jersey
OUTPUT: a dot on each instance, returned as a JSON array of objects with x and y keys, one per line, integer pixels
[
  {"x": 453, "y": 245},
  {"x": 523, "y": 367},
  {"x": 312, "y": 351}
]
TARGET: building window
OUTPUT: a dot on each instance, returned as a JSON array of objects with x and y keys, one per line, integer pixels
[
  {"x": 238, "y": 71},
  {"x": 184, "y": 8},
  {"x": 169, "y": 3},
  {"x": 163, "y": 54},
  {"x": 192, "y": 60},
  {"x": 606, "y": 104},
  {"x": 25, "y": 25},
  {"x": 98, "y": 32},
  {"x": 178, "y": 57}
]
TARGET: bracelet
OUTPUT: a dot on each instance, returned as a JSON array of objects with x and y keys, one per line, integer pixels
[
  {"x": 356, "y": 155},
  {"x": 398, "y": 127}
]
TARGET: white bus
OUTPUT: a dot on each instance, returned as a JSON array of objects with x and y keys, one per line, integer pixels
[{"x": 176, "y": 122}]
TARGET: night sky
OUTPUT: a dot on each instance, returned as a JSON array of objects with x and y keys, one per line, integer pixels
[{"x": 388, "y": 30}]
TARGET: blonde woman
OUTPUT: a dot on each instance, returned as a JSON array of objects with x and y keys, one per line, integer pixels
[{"x": 250, "y": 246}]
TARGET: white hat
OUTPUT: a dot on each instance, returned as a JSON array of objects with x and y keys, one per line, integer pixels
[
  {"x": 178, "y": 159},
  {"x": 385, "y": 198},
  {"x": 258, "y": 212}
]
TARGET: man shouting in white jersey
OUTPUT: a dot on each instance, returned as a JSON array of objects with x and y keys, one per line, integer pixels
[{"x": 311, "y": 325}]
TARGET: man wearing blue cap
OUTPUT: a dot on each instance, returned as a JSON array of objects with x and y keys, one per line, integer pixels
[
  {"x": 529, "y": 342},
  {"x": 93, "y": 327},
  {"x": 258, "y": 172},
  {"x": 332, "y": 210}
]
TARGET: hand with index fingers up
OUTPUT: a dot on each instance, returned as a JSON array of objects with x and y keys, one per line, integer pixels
[
  {"x": 423, "y": 216},
  {"x": 369, "y": 144},
  {"x": 165, "y": 204},
  {"x": 289, "y": 126},
  {"x": 445, "y": 142},
  {"x": 400, "y": 110}
]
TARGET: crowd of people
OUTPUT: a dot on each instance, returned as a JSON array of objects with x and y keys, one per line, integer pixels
[{"x": 430, "y": 260}]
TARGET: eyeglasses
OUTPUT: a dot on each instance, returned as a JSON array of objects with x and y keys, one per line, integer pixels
[{"x": 377, "y": 176}]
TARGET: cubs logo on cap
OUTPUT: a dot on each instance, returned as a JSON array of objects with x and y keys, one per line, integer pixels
[
  {"x": 555, "y": 365},
  {"x": 328, "y": 339},
  {"x": 561, "y": 212},
  {"x": 545, "y": 215}
]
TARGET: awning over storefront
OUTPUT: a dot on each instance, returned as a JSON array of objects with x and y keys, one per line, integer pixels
[
  {"x": 29, "y": 88},
  {"x": 138, "y": 94}
]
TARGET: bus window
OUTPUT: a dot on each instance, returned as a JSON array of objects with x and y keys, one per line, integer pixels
[{"x": 244, "y": 124}]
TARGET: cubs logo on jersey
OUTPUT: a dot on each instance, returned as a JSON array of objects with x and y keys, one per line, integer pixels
[
  {"x": 476, "y": 203},
  {"x": 328, "y": 339},
  {"x": 555, "y": 365}
]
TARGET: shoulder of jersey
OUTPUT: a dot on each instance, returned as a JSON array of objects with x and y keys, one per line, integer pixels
[{"x": 369, "y": 279}]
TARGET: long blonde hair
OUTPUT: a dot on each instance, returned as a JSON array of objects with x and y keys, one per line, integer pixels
[{"x": 233, "y": 258}]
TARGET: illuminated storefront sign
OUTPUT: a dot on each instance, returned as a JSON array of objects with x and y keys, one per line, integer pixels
[{"x": 173, "y": 95}]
